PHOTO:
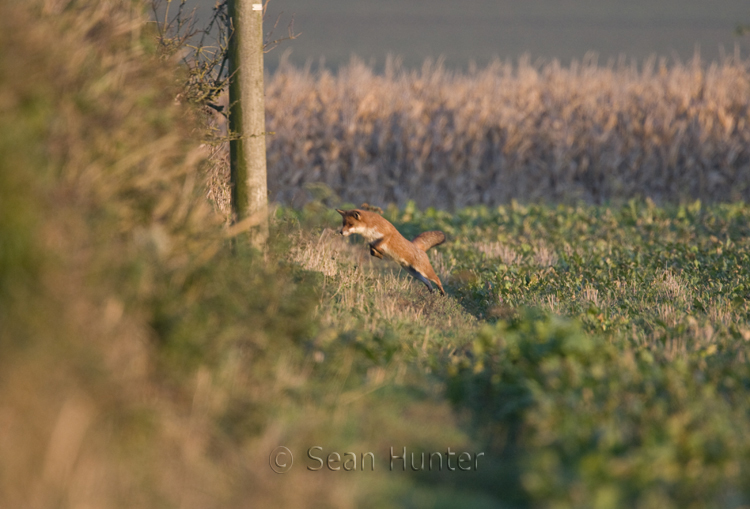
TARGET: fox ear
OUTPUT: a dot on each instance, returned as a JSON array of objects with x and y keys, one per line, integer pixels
[
  {"x": 356, "y": 215},
  {"x": 341, "y": 212}
]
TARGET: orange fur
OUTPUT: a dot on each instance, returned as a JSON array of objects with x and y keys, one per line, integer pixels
[{"x": 385, "y": 241}]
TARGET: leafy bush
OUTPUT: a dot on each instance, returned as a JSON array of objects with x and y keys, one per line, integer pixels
[{"x": 592, "y": 424}]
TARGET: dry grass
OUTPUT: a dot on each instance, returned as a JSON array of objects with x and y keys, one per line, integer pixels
[
  {"x": 673, "y": 288},
  {"x": 522, "y": 131},
  {"x": 590, "y": 295},
  {"x": 216, "y": 174},
  {"x": 321, "y": 255},
  {"x": 548, "y": 302},
  {"x": 492, "y": 250},
  {"x": 544, "y": 256},
  {"x": 363, "y": 292},
  {"x": 442, "y": 264},
  {"x": 667, "y": 313},
  {"x": 720, "y": 312}
]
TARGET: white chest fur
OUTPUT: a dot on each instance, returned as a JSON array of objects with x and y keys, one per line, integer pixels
[{"x": 370, "y": 234}]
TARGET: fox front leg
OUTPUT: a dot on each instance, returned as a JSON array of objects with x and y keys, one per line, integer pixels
[{"x": 374, "y": 252}]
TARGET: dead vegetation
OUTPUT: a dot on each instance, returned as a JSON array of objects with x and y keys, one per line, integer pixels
[{"x": 668, "y": 131}]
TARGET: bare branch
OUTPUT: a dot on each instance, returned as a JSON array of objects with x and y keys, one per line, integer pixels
[
  {"x": 270, "y": 45},
  {"x": 203, "y": 51}
]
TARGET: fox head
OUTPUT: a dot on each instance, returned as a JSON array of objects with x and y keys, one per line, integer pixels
[
  {"x": 368, "y": 224},
  {"x": 351, "y": 220}
]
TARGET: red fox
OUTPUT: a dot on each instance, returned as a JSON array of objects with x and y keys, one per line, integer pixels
[{"x": 385, "y": 240}]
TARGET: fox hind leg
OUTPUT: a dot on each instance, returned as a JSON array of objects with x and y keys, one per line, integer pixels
[
  {"x": 428, "y": 279},
  {"x": 423, "y": 279}
]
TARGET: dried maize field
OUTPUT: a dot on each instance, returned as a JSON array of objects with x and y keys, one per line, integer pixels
[{"x": 663, "y": 130}]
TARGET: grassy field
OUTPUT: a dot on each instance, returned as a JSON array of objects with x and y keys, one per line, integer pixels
[
  {"x": 600, "y": 353},
  {"x": 584, "y": 356}
]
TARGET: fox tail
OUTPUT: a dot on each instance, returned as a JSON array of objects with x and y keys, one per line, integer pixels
[{"x": 426, "y": 240}]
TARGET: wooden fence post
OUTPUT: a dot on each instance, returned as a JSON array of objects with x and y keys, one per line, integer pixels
[{"x": 247, "y": 123}]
